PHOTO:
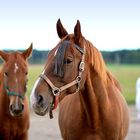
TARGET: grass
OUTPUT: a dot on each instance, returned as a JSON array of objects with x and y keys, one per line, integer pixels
[
  {"x": 34, "y": 72},
  {"x": 126, "y": 75}
]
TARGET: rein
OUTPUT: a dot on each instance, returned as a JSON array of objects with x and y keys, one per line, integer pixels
[{"x": 57, "y": 90}]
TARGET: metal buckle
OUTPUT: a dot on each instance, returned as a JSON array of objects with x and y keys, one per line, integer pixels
[
  {"x": 78, "y": 79},
  {"x": 56, "y": 91},
  {"x": 81, "y": 66}
]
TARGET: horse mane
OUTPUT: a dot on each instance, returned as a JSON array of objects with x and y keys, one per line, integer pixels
[
  {"x": 99, "y": 66},
  {"x": 95, "y": 57}
]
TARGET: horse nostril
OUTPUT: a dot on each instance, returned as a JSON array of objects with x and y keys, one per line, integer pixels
[
  {"x": 39, "y": 99},
  {"x": 11, "y": 107},
  {"x": 22, "y": 107}
]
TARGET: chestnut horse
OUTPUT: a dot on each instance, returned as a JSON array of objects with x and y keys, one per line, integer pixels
[
  {"x": 91, "y": 104},
  {"x": 14, "y": 109}
]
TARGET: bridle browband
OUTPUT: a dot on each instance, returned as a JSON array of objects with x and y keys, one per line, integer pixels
[{"x": 57, "y": 90}]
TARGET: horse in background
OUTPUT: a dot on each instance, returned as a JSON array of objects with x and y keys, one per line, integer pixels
[
  {"x": 91, "y": 104},
  {"x": 138, "y": 98},
  {"x": 14, "y": 109}
]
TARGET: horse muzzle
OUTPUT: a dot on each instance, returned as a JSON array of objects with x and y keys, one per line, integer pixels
[
  {"x": 40, "y": 109},
  {"x": 16, "y": 110},
  {"x": 41, "y": 106}
]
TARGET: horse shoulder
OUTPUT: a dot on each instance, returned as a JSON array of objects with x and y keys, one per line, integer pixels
[
  {"x": 70, "y": 115},
  {"x": 118, "y": 116}
]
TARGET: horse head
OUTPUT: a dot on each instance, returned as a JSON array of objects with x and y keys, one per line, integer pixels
[
  {"x": 15, "y": 72},
  {"x": 64, "y": 72}
]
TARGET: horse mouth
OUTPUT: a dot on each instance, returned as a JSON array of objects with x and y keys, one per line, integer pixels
[
  {"x": 41, "y": 110},
  {"x": 13, "y": 114}
]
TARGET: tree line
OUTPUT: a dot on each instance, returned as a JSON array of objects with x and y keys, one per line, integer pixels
[
  {"x": 119, "y": 57},
  {"x": 122, "y": 56}
]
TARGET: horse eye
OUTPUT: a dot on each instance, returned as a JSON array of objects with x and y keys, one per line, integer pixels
[
  {"x": 5, "y": 73},
  {"x": 26, "y": 73},
  {"x": 67, "y": 61}
]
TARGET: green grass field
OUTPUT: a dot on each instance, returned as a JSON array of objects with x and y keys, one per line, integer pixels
[{"x": 126, "y": 75}]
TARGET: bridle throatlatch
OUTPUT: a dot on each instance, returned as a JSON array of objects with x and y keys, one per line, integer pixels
[{"x": 57, "y": 90}]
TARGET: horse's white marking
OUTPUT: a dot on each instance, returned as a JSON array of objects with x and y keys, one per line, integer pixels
[
  {"x": 16, "y": 84},
  {"x": 43, "y": 72},
  {"x": 15, "y": 71},
  {"x": 16, "y": 80},
  {"x": 16, "y": 105},
  {"x": 55, "y": 52},
  {"x": 16, "y": 68},
  {"x": 32, "y": 96}
]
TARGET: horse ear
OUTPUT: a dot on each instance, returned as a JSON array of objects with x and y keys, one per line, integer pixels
[
  {"x": 26, "y": 54},
  {"x": 61, "y": 31},
  {"x": 4, "y": 55},
  {"x": 77, "y": 32}
]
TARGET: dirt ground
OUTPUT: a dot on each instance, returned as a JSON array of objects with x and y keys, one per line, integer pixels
[{"x": 44, "y": 128}]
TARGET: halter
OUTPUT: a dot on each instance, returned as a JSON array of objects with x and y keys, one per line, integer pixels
[
  {"x": 12, "y": 93},
  {"x": 57, "y": 90}
]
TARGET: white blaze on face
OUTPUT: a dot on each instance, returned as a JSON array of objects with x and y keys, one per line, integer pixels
[
  {"x": 32, "y": 96},
  {"x": 43, "y": 72},
  {"x": 16, "y": 68},
  {"x": 16, "y": 82},
  {"x": 15, "y": 71},
  {"x": 55, "y": 52}
]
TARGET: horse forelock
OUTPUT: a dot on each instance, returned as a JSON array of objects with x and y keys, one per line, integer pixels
[{"x": 59, "y": 58}]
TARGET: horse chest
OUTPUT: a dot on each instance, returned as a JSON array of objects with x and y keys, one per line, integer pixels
[
  {"x": 11, "y": 128},
  {"x": 71, "y": 119}
]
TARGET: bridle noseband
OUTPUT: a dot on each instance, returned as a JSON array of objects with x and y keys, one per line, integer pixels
[
  {"x": 57, "y": 90},
  {"x": 12, "y": 93}
]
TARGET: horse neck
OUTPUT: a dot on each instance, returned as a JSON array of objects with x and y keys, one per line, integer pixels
[{"x": 94, "y": 97}]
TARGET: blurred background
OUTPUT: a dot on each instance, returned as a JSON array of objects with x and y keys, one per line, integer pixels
[{"x": 113, "y": 26}]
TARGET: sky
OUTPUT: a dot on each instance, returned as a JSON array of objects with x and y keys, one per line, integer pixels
[{"x": 109, "y": 24}]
